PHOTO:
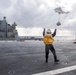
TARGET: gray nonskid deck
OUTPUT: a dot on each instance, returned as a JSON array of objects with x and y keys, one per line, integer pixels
[{"x": 26, "y": 58}]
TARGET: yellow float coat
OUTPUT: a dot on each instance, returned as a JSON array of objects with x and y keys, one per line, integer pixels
[{"x": 48, "y": 39}]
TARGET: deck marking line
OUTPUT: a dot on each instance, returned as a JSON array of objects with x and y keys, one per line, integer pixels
[{"x": 57, "y": 71}]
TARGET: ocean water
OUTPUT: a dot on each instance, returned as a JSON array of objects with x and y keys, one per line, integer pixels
[
  {"x": 65, "y": 38},
  {"x": 57, "y": 38}
]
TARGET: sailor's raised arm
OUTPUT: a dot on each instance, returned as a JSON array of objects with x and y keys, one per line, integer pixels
[
  {"x": 44, "y": 32},
  {"x": 54, "y": 32}
]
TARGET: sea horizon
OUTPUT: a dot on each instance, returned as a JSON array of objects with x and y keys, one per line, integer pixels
[{"x": 73, "y": 38}]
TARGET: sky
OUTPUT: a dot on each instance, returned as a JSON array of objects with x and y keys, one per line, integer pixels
[{"x": 32, "y": 16}]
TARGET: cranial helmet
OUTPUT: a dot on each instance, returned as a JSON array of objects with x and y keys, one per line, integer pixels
[{"x": 48, "y": 31}]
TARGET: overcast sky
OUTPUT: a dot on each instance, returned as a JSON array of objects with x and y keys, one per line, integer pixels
[{"x": 32, "y": 16}]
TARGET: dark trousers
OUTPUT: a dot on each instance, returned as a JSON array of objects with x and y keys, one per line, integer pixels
[{"x": 50, "y": 47}]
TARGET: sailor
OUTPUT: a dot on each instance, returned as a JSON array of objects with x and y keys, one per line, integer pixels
[{"x": 48, "y": 41}]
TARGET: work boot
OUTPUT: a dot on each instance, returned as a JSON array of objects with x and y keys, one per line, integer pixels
[{"x": 57, "y": 60}]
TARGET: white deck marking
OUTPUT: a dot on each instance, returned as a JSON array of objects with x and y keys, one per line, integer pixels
[{"x": 57, "y": 71}]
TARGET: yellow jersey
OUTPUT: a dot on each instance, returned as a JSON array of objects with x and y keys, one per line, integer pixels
[{"x": 48, "y": 39}]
